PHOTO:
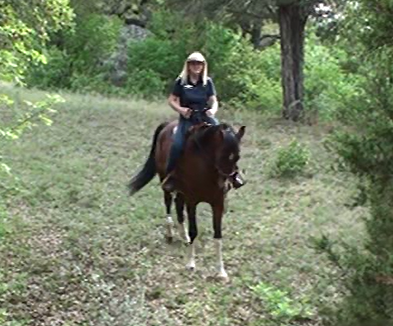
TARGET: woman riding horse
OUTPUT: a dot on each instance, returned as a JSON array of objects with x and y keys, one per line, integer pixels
[
  {"x": 205, "y": 161},
  {"x": 193, "y": 92}
]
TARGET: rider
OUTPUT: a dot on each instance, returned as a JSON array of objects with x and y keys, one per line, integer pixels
[{"x": 193, "y": 90}]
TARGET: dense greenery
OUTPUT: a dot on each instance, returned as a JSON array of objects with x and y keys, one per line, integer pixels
[
  {"x": 245, "y": 78},
  {"x": 24, "y": 34},
  {"x": 367, "y": 150}
]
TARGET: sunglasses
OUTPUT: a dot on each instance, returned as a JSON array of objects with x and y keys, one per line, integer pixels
[{"x": 193, "y": 62}]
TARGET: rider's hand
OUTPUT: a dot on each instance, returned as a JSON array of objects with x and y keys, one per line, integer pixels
[
  {"x": 210, "y": 113},
  {"x": 185, "y": 112}
]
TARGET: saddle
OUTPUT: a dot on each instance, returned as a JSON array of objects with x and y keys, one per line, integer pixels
[{"x": 198, "y": 116}]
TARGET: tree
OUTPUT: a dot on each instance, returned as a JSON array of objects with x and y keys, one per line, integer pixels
[
  {"x": 366, "y": 149},
  {"x": 292, "y": 19},
  {"x": 291, "y": 16},
  {"x": 23, "y": 33}
]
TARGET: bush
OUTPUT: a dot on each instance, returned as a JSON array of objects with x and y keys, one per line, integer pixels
[
  {"x": 239, "y": 71},
  {"x": 327, "y": 86},
  {"x": 365, "y": 148},
  {"x": 56, "y": 73},
  {"x": 153, "y": 66},
  {"x": 290, "y": 160},
  {"x": 146, "y": 83},
  {"x": 78, "y": 54}
]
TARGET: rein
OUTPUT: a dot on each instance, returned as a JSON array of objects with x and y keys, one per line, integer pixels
[{"x": 212, "y": 161}]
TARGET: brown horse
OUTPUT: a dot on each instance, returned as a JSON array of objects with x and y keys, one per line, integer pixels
[{"x": 210, "y": 157}]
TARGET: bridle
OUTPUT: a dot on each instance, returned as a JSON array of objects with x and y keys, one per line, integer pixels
[{"x": 207, "y": 157}]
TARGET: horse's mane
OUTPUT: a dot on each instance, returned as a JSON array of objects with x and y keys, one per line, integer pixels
[{"x": 203, "y": 134}]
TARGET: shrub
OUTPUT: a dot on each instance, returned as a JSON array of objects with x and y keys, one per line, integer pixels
[
  {"x": 279, "y": 305},
  {"x": 290, "y": 160},
  {"x": 327, "y": 86},
  {"x": 78, "y": 54},
  {"x": 367, "y": 151}
]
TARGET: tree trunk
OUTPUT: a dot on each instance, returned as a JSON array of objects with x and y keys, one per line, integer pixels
[
  {"x": 256, "y": 34},
  {"x": 292, "y": 23}
]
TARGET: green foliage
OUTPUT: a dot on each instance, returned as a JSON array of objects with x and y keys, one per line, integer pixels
[
  {"x": 146, "y": 83},
  {"x": 15, "y": 119},
  {"x": 24, "y": 31},
  {"x": 327, "y": 86},
  {"x": 153, "y": 66},
  {"x": 25, "y": 27},
  {"x": 280, "y": 305},
  {"x": 244, "y": 77},
  {"x": 290, "y": 160},
  {"x": 79, "y": 63},
  {"x": 365, "y": 148},
  {"x": 238, "y": 70}
]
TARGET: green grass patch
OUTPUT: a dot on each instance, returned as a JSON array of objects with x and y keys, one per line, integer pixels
[{"x": 280, "y": 306}]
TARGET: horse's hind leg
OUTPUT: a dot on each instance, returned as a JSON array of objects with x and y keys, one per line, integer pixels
[
  {"x": 179, "y": 200},
  {"x": 193, "y": 232},
  {"x": 218, "y": 211},
  {"x": 169, "y": 220}
]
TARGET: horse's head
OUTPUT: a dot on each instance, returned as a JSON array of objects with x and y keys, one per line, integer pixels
[
  {"x": 228, "y": 150},
  {"x": 224, "y": 145}
]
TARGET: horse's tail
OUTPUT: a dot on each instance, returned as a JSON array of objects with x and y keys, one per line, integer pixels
[{"x": 148, "y": 171}]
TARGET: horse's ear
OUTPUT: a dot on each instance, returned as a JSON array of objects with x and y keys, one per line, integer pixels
[{"x": 241, "y": 132}]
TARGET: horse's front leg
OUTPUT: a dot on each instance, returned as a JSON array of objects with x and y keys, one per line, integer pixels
[
  {"x": 192, "y": 232},
  {"x": 218, "y": 211},
  {"x": 179, "y": 200}
]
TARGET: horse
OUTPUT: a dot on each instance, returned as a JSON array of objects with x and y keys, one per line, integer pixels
[{"x": 209, "y": 158}]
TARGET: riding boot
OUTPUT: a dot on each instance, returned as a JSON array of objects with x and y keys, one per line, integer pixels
[{"x": 237, "y": 180}]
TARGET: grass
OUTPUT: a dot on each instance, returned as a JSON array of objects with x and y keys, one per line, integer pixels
[{"x": 79, "y": 251}]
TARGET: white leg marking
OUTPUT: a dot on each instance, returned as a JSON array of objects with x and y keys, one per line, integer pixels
[
  {"x": 183, "y": 232},
  {"x": 191, "y": 256},
  {"x": 220, "y": 264},
  {"x": 169, "y": 226}
]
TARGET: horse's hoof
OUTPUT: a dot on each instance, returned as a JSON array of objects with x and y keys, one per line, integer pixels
[
  {"x": 223, "y": 278},
  {"x": 169, "y": 240},
  {"x": 191, "y": 266}
]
